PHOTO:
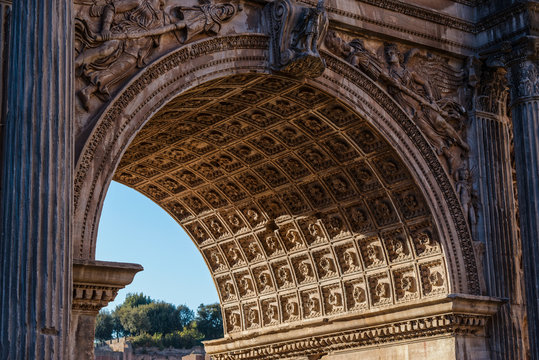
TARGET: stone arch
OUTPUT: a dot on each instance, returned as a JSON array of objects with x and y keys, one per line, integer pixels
[{"x": 393, "y": 257}]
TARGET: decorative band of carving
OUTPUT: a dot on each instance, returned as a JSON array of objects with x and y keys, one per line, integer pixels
[
  {"x": 90, "y": 298},
  {"x": 455, "y": 315},
  {"x": 423, "y": 327}
]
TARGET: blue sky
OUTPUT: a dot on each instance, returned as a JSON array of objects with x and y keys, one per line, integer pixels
[{"x": 134, "y": 229}]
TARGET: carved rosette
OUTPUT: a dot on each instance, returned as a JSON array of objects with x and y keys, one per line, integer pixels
[{"x": 296, "y": 32}]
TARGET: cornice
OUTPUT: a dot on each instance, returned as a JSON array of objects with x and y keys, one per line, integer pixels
[
  {"x": 96, "y": 283},
  {"x": 444, "y": 324},
  {"x": 471, "y": 29},
  {"x": 501, "y": 16},
  {"x": 471, "y": 3},
  {"x": 400, "y": 7},
  {"x": 423, "y": 14},
  {"x": 405, "y": 9},
  {"x": 450, "y": 316}
]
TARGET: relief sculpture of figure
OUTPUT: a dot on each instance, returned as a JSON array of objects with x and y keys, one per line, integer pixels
[
  {"x": 129, "y": 32},
  {"x": 428, "y": 109},
  {"x": 467, "y": 195},
  {"x": 306, "y": 32},
  {"x": 355, "y": 53}
]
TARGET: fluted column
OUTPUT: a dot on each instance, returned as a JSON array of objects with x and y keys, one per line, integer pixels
[
  {"x": 525, "y": 116},
  {"x": 5, "y": 20},
  {"x": 495, "y": 225},
  {"x": 35, "y": 251}
]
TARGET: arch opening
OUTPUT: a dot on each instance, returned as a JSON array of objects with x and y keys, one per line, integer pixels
[
  {"x": 299, "y": 206},
  {"x": 207, "y": 131}
]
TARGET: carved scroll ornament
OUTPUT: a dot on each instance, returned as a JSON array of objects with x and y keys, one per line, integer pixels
[{"x": 296, "y": 33}]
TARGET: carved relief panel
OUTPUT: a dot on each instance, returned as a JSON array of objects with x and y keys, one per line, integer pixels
[{"x": 112, "y": 42}]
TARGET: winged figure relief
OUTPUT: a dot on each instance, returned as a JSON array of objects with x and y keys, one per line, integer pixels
[{"x": 425, "y": 86}]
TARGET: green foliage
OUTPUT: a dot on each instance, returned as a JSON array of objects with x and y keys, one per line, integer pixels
[
  {"x": 151, "y": 323},
  {"x": 134, "y": 300},
  {"x": 184, "y": 339},
  {"x": 209, "y": 321},
  {"x": 104, "y": 326},
  {"x": 185, "y": 314},
  {"x": 134, "y": 320}
]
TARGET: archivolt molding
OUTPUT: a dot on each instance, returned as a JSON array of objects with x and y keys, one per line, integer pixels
[
  {"x": 252, "y": 279},
  {"x": 170, "y": 61}
]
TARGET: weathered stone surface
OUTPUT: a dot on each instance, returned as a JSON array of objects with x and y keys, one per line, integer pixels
[
  {"x": 458, "y": 319},
  {"x": 492, "y": 198},
  {"x": 525, "y": 111},
  {"x": 37, "y": 178},
  {"x": 326, "y": 177},
  {"x": 95, "y": 285}
]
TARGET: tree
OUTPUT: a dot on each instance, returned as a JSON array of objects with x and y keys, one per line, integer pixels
[
  {"x": 134, "y": 320},
  {"x": 157, "y": 323},
  {"x": 209, "y": 321},
  {"x": 104, "y": 326},
  {"x": 127, "y": 319},
  {"x": 136, "y": 299},
  {"x": 164, "y": 318},
  {"x": 186, "y": 315}
]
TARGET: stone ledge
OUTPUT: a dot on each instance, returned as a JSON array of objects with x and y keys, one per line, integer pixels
[
  {"x": 454, "y": 315},
  {"x": 96, "y": 283}
]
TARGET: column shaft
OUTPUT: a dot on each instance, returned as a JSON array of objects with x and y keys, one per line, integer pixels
[
  {"x": 5, "y": 21},
  {"x": 35, "y": 251},
  {"x": 526, "y": 132},
  {"x": 497, "y": 229}
]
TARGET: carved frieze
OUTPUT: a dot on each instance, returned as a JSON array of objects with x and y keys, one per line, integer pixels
[
  {"x": 425, "y": 85},
  {"x": 447, "y": 323},
  {"x": 114, "y": 38}
]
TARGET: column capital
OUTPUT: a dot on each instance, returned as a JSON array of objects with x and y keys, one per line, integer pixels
[
  {"x": 96, "y": 283},
  {"x": 489, "y": 80}
]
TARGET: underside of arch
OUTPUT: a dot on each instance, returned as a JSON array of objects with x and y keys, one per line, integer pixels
[
  {"x": 309, "y": 200},
  {"x": 300, "y": 207}
]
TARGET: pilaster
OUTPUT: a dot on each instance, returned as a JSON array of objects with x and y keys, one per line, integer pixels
[
  {"x": 525, "y": 116},
  {"x": 35, "y": 252},
  {"x": 95, "y": 285},
  {"x": 495, "y": 224}
]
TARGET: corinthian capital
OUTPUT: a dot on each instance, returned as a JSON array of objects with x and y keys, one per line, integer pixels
[{"x": 492, "y": 90}]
